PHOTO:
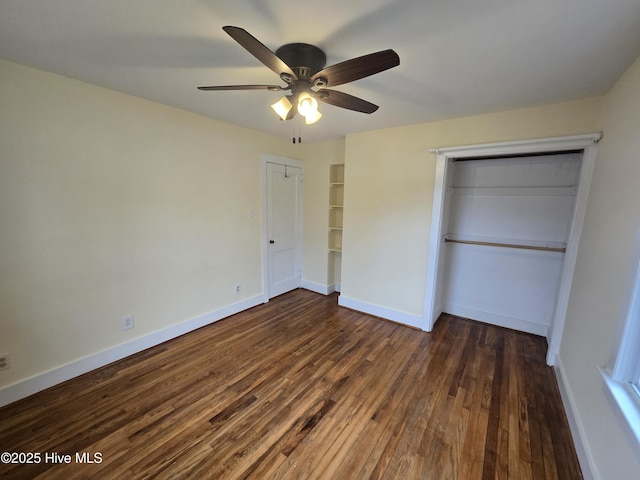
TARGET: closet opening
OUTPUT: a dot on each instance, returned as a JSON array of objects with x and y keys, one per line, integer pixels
[
  {"x": 505, "y": 229},
  {"x": 507, "y": 226}
]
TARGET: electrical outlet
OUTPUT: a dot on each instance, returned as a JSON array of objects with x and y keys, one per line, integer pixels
[
  {"x": 127, "y": 322},
  {"x": 5, "y": 361},
  {"x": 237, "y": 289}
]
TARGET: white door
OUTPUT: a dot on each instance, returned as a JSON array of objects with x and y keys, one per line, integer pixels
[{"x": 284, "y": 227}]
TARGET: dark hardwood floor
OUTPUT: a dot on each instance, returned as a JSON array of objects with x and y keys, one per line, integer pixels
[{"x": 301, "y": 388}]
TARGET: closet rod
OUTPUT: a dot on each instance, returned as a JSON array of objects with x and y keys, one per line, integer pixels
[{"x": 507, "y": 245}]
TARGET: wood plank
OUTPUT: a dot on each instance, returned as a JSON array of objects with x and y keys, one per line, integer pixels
[{"x": 302, "y": 388}]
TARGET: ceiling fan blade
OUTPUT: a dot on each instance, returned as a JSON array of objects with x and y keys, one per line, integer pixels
[
  {"x": 260, "y": 51},
  {"x": 272, "y": 88},
  {"x": 344, "y": 100},
  {"x": 358, "y": 68}
]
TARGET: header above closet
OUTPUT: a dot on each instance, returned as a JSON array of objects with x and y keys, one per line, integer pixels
[{"x": 516, "y": 155}]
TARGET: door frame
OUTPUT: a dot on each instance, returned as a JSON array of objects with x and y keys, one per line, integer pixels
[
  {"x": 266, "y": 158},
  {"x": 433, "y": 301}
]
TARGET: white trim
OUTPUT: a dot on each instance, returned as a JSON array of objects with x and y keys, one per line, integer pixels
[
  {"x": 496, "y": 319},
  {"x": 571, "y": 254},
  {"x": 265, "y": 233},
  {"x": 587, "y": 463},
  {"x": 435, "y": 261},
  {"x": 626, "y": 357},
  {"x": 432, "y": 302},
  {"x": 536, "y": 145},
  {"x": 42, "y": 381},
  {"x": 627, "y": 402},
  {"x": 623, "y": 367},
  {"x": 266, "y": 158},
  {"x": 318, "y": 287},
  {"x": 382, "y": 312}
]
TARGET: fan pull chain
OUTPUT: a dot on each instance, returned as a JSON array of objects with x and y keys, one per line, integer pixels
[{"x": 296, "y": 131}]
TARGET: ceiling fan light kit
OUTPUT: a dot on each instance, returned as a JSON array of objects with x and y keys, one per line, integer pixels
[
  {"x": 312, "y": 117},
  {"x": 308, "y": 107},
  {"x": 282, "y": 107},
  {"x": 302, "y": 67}
]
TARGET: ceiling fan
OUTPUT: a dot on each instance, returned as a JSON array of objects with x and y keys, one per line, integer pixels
[{"x": 302, "y": 67}]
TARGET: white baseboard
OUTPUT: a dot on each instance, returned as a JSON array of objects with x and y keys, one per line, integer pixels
[
  {"x": 318, "y": 287},
  {"x": 383, "y": 312},
  {"x": 42, "y": 381},
  {"x": 577, "y": 431},
  {"x": 495, "y": 319}
]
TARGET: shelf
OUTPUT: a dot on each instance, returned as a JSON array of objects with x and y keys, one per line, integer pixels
[
  {"x": 335, "y": 250},
  {"x": 570, "y": 191},
  {"x": 336, "y": 228},
  {"x": 335, "y": 206}
]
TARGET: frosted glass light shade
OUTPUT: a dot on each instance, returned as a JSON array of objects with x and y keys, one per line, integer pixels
[
  {"x": 282, "y": 107},
  {"x": 307, "y": 104},
  {"x": 312, "y": 117}
]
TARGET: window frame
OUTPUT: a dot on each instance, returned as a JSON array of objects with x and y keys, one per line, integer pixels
[{"x": 622, "y": 377}]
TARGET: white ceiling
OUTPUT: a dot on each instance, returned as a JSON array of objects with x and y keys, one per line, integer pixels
[{"x": 457, "y": 57}]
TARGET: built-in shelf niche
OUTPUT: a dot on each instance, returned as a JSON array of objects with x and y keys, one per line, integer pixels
[
  {"x": 336, "y": 173},
  {"x": 335, "y": 218},
  {"x": 336, "y": 195},
  {"x": 336, "y": 202},
  {"x": 335, "y": 239}
]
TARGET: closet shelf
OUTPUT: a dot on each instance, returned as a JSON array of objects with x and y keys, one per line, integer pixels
[
  {"x": 507, "y": 245},
  {"x": 569, "y": 191}
]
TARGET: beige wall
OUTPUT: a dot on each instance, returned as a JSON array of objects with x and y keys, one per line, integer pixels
[
  {"x": 389, "y": 177},
  {"x": 604, "y": 266},
  {"x": 111, "y": 205}
]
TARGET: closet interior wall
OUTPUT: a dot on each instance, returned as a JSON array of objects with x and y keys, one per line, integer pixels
[{"x": 507, "y": 227}]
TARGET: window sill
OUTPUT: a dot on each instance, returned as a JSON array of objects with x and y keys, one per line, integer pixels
[{"x": 627, "y": 400}]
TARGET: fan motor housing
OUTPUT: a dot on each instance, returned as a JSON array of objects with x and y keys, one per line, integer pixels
[{"x": 304, "y": 59}]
